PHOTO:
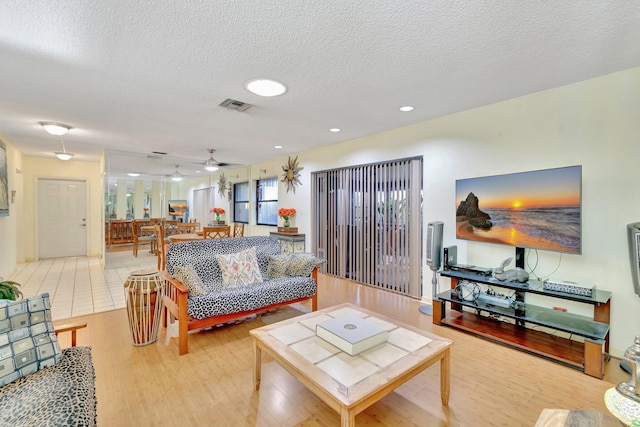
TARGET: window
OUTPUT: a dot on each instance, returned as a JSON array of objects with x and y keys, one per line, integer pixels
[
  {"x": 241, "y": 202},
  {"x": 267, "y": 201}
]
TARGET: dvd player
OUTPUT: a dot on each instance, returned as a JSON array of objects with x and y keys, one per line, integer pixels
[{"x": 471, "y": 269}]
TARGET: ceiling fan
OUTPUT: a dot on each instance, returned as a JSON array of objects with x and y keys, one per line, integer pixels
[
  {"x": 177, "y": 176},
  {"x": 212, "y": 164}
]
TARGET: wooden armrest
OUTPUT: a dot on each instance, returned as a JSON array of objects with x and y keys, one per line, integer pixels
[
  {"x": 73, "y": 327},
  {"x": 180, "y": 287}
]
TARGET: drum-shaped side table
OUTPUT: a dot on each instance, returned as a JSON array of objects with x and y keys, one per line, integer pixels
[{"x": 144, "y": 290}]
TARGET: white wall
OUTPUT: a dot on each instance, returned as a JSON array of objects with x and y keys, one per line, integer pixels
[{"x": 594, "y": 124}]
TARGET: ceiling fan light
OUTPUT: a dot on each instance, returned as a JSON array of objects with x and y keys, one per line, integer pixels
[
  {"x": 176, "y": 176},
  {"x": 57, "y": 129},
  {"x": 210, "y": 166},
  {"x": 63, "y": 155}
]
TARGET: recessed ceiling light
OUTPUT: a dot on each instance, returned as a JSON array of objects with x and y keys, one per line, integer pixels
[
  {"x": 334, "y": 130},
  {"x": 265, "y": 87},
  {"x": 57, "y": 129},
  {"x": 133, "y": 174},
  {"x": 406, "y": 108},
  {"x": 277, "y": 146}
]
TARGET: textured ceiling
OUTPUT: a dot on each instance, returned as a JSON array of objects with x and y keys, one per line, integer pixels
[{"x": 143, "y": 76}]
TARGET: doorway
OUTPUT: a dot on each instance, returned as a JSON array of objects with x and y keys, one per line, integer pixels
[{"x": 62, "y": 218}]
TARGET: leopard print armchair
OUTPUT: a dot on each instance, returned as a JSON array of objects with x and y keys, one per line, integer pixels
[{"x": 59, "y": 395}]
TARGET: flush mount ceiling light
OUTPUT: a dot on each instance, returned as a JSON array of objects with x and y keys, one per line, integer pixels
[
  {"x": 406, "y": 108},
  {"x": 265, "y": 87},
  {"x": 177, "y": 176},
  {"x": 211, "y": 164},
  {"x": 63, "y": 155},
  {"x": 57, "y": 129},
  {"x": 277, "y": 147},
  {"x": 134, "y": 174},
  {"x": 334, "y": 130}
]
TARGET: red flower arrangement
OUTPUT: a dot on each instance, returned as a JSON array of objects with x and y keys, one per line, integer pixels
[
  {"x": 285, "y": 213},
  {"x": 218, "y": 212}
]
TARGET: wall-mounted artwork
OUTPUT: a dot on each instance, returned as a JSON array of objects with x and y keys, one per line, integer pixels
[
  {"x": 291, "y": 175},
  {"x": 4, "y": 181},
  {"x": 178, "y": 209}
]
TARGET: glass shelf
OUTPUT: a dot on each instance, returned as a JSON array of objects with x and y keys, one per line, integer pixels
[
  {"x": 562, "y": 321},
  {"x": 532, "y": 286}
]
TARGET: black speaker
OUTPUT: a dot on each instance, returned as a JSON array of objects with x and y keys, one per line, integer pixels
[
  {"x": 450, "y": 256},
  {"x": 434, "y": 244}
]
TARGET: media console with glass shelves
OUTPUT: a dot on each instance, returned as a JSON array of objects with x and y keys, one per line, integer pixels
[{"x": 483, "y": 319}]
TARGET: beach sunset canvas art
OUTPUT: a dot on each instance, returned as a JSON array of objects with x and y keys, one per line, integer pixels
[{"x": 537, "y": 209}]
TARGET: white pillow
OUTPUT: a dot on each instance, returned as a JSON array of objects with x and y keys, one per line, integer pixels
[{"x": 240, "y": 268}]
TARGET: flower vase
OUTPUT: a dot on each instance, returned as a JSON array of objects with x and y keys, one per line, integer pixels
[
  {"x": 217, "y": 217},
  {"x": 286, "y": 222}
]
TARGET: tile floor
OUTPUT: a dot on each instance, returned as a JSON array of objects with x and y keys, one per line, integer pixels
[{"x": 79, "y": 285}]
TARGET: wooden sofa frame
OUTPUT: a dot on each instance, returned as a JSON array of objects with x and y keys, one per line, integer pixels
[{"x": 175, "y": 305}]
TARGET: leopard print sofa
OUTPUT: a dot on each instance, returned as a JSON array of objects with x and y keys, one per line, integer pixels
[
  {"x": 60, "y": 395},
  {"x": 221, "y": 304}
]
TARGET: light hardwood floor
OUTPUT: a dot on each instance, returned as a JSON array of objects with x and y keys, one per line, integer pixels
[{"x": 491, "y": 385}]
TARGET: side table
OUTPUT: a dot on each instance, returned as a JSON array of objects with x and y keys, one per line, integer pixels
[
  {"x": 290, "y": 243},
  {"x": 622, "y": 407}
]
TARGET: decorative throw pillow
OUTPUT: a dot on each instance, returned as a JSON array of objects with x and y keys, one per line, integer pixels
[
  {"x": 303, "y": 264},
  {"x": 240, "y": 268},
  {"x": 277, "y": 266},
  {"x": 189, "y": 277},
  {"x": 28, "y": 341}
]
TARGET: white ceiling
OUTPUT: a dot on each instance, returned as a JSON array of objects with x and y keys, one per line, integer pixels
[{"x": 143, "y": 76}]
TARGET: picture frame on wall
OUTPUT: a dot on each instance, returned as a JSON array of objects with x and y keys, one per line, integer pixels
[{"x": 4, "y": 181}]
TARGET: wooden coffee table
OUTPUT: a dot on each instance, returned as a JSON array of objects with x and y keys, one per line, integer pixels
[{"x": 350, "y": 384}]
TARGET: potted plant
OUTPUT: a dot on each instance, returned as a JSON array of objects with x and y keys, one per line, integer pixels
[
  {"x": 217, "y": 212},
  {"x": 10, "y": 290},
  {"x": 286, "y": 214}
]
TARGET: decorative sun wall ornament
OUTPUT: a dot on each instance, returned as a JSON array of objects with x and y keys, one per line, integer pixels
[
  {"x": 222, "y": 185},
  {"x": 291, "y": 174}
]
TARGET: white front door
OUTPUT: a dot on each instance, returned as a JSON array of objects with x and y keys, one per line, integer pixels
[{"x": 62, "y": 218}]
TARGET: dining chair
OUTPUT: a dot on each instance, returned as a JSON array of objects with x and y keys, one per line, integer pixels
[
  {"x": 170, "y": 227},
  {"x": 216, "y": 232},
  {"x": 186, "y": 227},
  {"x": 160, "y": 246},
  {"x": 141, "y": 236},
  {"x": 238, "y": 229}
]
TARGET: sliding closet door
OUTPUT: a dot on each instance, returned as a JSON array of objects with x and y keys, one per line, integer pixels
[
  {"x": 203, "y": 200},
  {"x": 368, "y": 223}
]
